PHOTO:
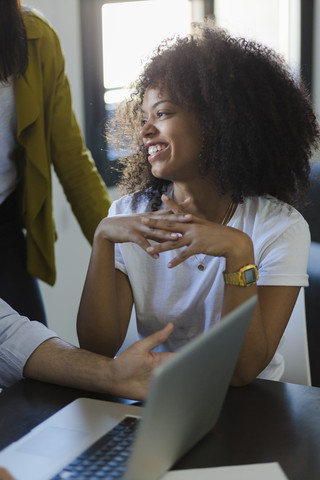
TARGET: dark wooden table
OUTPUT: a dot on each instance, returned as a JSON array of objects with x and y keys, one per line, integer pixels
[{"x": 263, "y": 422}]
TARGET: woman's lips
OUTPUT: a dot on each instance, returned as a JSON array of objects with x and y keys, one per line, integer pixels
[{"x": 155, "y": 150}]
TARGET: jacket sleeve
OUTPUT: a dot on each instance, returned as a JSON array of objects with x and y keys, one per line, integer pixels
[{"x": 72, "y": 161}]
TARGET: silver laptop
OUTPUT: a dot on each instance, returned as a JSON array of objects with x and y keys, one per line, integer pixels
[{"x": 184, "y": 402}]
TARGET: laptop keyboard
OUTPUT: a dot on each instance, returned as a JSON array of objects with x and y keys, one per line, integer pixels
[{"x": 106, "y": 458}]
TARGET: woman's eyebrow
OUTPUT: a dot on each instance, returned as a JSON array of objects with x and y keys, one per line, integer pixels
[{"x": 157, "y": 104}]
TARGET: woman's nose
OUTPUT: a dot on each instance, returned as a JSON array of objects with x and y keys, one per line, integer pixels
[{"x": 148, "y": 129}]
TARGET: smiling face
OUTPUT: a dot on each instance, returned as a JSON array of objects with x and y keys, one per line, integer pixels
[{"x": 172, "y": 137}]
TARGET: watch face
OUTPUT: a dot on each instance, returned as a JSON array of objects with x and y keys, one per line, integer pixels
[{"x": 250, "y": 275}]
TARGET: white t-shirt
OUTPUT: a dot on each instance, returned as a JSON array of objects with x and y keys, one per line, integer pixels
[
  {"x": 192, "y": 299},
  {"x": 8, "y": 142}
]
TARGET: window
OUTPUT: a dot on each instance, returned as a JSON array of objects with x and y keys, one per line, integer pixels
[
  {"x": 118, "y": 37},
  {"x": 275, "y": 23},
  {"x": 284, "y": 25},
  {"x": 130, "y": 32}
]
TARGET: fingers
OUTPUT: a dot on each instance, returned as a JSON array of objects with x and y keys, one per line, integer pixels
[
  {"x": 183, "y": 254},
  {"x": 163, "y": 247},
  {"x": 165, "y": 231},
  {"x": 156, "y": 338},
  {"x": 144, "y": 231},
  {"x": 178, "y": 259},
  {"x": 160, "y": 357},
  {"x": 177, "y": 208},
  {"x": 160, "y": 229},
  {"x": 170, "y": 222}
]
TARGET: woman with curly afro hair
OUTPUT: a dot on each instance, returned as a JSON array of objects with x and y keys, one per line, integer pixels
[{"x": 221, "y": 136}]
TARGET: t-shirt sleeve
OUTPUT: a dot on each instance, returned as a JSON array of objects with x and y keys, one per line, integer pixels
[
  {"x": 283, "y": 259},
  {"x": 19, "y": 337}
]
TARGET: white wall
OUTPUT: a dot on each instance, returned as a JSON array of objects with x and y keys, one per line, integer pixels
[{"x": 72, "y": 249}]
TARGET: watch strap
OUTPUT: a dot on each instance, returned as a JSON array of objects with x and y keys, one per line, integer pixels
[{"x": 244, "y": 277}]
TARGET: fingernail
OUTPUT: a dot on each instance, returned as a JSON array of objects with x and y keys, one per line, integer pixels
[
  {"x": 156, "y": 255},
  {"x": 175, "y": 235},
  {"x": 150, "y": 249}
]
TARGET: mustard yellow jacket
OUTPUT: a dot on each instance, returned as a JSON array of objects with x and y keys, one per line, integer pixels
[{"x": 48, "y": 134}]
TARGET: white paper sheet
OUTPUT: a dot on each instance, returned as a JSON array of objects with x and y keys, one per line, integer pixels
[{"x": 262, "y": 471}]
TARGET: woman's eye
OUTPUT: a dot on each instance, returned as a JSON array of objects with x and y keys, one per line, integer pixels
[{"x": 162, "y": 114}]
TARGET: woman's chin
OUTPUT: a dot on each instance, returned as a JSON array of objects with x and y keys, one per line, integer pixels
[{"x": 159, "y": 174}]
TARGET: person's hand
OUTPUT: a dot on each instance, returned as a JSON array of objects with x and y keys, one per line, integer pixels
[
  {"x": 5, "y": 475},
  {"x": 174, "y": 207},
  {"x": 132, "y": 369},
  {"x": 136, "y": 228},
  {"x": 197, "y": 236}
]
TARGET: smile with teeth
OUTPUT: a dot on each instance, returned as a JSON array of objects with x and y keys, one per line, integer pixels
[{"x": 156, "y": 148}]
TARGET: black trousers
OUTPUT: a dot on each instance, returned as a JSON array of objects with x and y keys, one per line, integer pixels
[{"x": 17, "y": 287}]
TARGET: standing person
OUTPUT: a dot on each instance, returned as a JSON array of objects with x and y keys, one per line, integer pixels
[
  {"x": 222, "y": 155},
  {"x": 38, "y": 130}
]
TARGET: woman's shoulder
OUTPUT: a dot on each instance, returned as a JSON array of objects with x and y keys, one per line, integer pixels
[
  {"x": 137, "y": 202},
  {"x": 36, "y": 24},
  {"x": 268, "y": 217},
  {"x": 268, "y": 207}
]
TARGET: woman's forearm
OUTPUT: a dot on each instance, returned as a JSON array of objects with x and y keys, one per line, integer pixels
[
  {"x": 98, "y": 323},
  {"x": 254, "y": 354}
]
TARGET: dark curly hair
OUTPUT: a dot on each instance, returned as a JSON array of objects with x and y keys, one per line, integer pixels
[{"x": 258, "y": 126}]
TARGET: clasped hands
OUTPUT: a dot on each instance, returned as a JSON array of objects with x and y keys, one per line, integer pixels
[{"x": 173, "y": 228}]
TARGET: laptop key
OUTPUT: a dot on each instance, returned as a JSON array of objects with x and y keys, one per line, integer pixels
[{"x": 107, "y": 457}]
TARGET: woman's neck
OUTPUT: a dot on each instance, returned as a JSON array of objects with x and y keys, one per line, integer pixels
[{"x": 206, "y": 202}]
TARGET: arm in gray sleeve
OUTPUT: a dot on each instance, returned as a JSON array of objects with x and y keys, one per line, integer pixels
[{"x": 19, "y": 337}]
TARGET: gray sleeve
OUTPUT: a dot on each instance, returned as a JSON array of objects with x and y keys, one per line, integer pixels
[{"x": 19, "y": 337}]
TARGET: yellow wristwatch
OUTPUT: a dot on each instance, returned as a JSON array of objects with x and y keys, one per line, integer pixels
[{"x": 245, "y": 277}]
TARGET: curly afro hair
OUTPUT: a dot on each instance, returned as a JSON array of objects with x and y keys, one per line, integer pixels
[{"x": 258, "y": 126}]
